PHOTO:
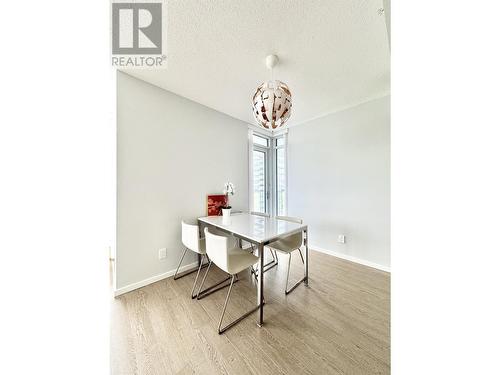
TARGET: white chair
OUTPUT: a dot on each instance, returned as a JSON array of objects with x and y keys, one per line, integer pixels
[
  {"x": 272, "y": 263},
  {"x": 288, "y": 245},
  {"x": 230, "y": 259},
  {"x": 192, "y": 241}
]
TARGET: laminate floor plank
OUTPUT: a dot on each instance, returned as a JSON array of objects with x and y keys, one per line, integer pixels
[{"x": 340, "y": 324}]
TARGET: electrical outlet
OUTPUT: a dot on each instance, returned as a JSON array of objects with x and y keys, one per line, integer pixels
[
  {"x": 162, "y": 253},
  {"x": 341, "y": 238}
]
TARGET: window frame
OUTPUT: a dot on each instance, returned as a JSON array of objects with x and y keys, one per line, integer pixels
[
  {"x": 267, "y": 173},
  {"x": 275, "y": 149},
  {"x": 271, "y": 202}
]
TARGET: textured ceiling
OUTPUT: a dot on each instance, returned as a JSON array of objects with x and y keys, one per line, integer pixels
[{"x": 333, "y": 53}]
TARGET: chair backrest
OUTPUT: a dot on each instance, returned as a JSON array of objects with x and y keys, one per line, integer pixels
[
  {"x": 191, "y": 237},
  {"x": 217, "y": 249},
  {"x": 260, "y": 214},
  {"x": 295, "y": 240}
]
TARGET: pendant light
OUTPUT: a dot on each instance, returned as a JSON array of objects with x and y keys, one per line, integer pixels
[{"x": 272, "y": 102}]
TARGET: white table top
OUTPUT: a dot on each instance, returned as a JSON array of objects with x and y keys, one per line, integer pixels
[{"x": 256, "y": 228}]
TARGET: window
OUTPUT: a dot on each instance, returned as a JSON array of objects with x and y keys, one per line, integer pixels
[
  {"x": 259, "y": 181},
  {"x": 268, "y": 188},
  {"x": 280, "y": 178},
  {"x": 261, "y": 141}
]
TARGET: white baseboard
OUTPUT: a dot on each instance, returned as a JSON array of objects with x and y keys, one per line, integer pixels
[
  {"x": 150, "y": 280},
  {"x": 351, "y": 258},
  {"x": 161, "y": 276}
]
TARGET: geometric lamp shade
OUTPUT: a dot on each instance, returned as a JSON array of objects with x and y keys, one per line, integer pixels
[{"x": 272, "y": 104}]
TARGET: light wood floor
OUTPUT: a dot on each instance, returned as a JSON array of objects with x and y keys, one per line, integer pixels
[{"x": 340, "y": 324}]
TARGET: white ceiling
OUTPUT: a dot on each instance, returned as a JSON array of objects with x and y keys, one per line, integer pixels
[{"x": 333, "y": 53}]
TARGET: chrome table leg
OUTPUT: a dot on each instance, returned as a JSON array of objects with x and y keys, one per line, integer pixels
[
  {"x": 306, "y": 263},
  {"x": 288, "y": 273},
  {"x": 260, "y": 286}
]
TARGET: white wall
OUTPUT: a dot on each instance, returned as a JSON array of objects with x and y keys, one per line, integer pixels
[
  {"x": 171, "y": 153},
  {"x": 339, "y": 181}
]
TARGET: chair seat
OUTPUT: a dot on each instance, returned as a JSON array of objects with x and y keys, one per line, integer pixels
[
  {"x": 283, "y": 246},
  {"x": 238, "y": 260}
]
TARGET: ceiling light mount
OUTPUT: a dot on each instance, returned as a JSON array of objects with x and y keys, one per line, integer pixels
[
  {"x": 272, "y": 102},
  {"x": 272, "y": 61}
]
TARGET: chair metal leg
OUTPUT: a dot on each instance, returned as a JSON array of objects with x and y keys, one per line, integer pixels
[
  {"x": 204, "y": 277},
  {"x": 178, "y": 266},
  {"x": 196, "y": 279},
  {"x": 274, "y": 261},
  {"x": 234, "y": 322},
  {"x": 225, "y": 303},
  {"x": 272, "y": 264},
  {"x": 288, "y": 291},
  {"x": 268, "y": 265},
  {"x": 211, "y": 289},
  {"x": 189, "y": 272},
  {"x": 301, "y": 257},
  {"x": 275, "y": 256}
]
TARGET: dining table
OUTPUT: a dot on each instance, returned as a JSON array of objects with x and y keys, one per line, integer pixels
[{"x": 259, "y": 231}]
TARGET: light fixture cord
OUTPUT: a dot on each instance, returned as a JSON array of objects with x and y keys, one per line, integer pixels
[{"x": 274, "y": 91}]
